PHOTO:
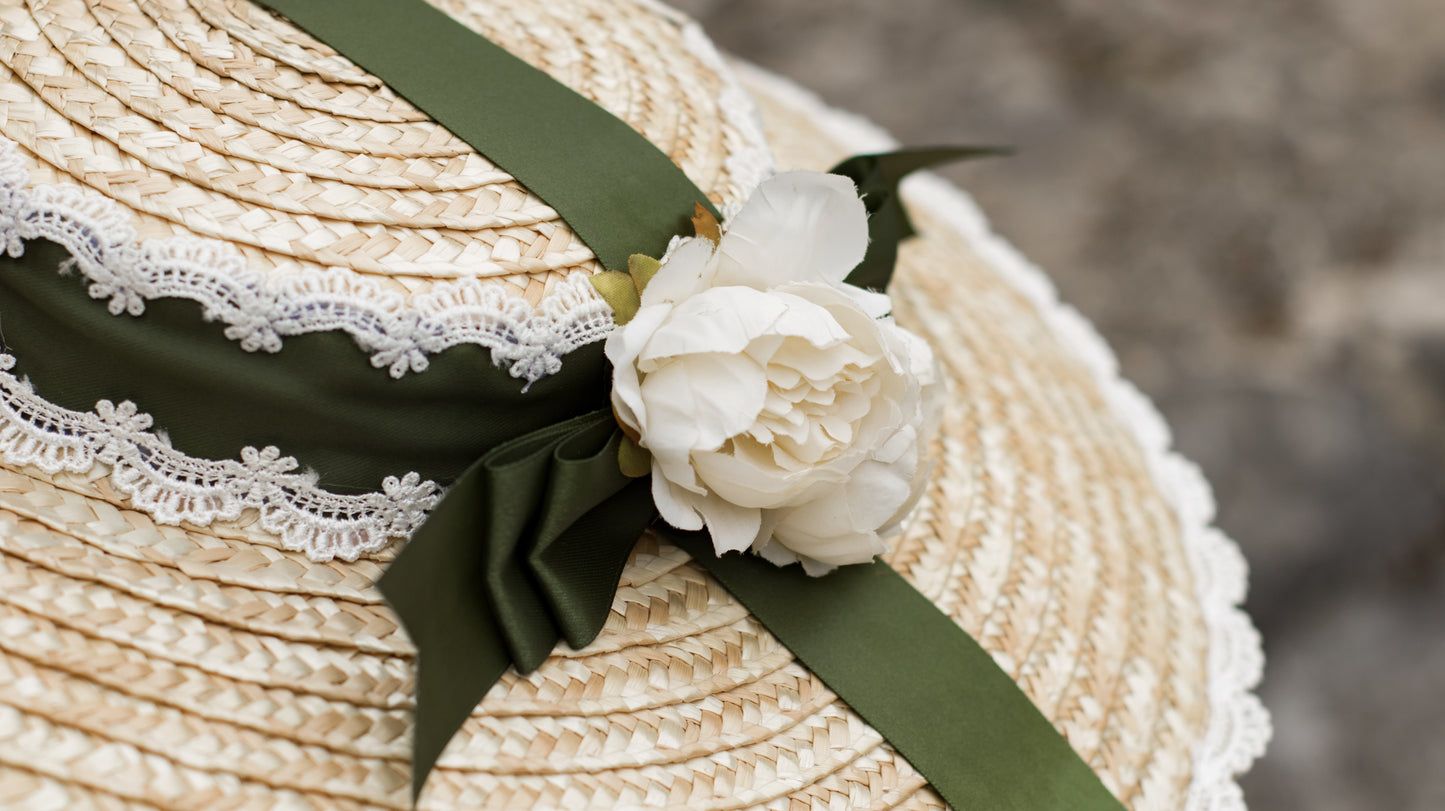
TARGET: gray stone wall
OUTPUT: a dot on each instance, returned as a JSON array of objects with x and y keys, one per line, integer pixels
[{"x": 1248, "y": 199}]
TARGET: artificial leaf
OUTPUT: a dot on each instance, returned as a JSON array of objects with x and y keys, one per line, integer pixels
[
  {"x": 634, "y": 459},
  {"x": 642, "y": 268},
  {"x": 877, "y": 177},
  {"x": 620, "y": 293},
  {"x": 705, "y": 223}
]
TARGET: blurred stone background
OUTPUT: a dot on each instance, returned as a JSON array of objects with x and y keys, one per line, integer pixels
[{"x": 1248, "y": 199}]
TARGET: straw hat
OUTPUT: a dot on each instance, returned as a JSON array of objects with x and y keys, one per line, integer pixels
[{"x": 175, "y": 635}]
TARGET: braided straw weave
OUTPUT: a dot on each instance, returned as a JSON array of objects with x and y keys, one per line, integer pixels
[{"x": 155, "y": 667}]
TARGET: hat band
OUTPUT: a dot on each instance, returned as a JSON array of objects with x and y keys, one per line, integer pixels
[{"x": 318, "y": 400}]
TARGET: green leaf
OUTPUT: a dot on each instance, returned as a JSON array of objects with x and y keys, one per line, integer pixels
[
  {"x": 620, "y": 292},
  {"x": 642, "y": 268},
  {"x": 877, "y": 178},
  {"x": 634, "y": 460}
]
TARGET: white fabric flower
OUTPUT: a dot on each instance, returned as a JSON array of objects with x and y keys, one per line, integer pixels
[{"x": 784, "y": 410}]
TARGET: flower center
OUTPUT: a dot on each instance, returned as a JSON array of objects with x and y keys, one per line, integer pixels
[{"x": 811, "y": 418}]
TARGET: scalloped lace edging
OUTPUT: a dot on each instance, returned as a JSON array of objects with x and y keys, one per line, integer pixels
[
  {"x": 1239, "y": 726},
  {"x": 173, "y": 488},
  {"x": 399, "y": 335}
]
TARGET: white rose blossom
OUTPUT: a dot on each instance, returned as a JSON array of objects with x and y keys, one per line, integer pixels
[{"x": 784, "y": 409}]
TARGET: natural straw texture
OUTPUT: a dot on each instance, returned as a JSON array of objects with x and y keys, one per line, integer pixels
[{"x": 146, "y": 666}]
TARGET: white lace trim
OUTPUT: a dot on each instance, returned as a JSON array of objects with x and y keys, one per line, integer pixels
[
  {"x": 98, "y": 234},
  {"x": 1239, "y": 725},
  {"x": 173, "y": 488}
]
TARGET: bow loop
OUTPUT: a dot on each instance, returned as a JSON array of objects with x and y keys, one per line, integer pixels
[
  {"x": 510, "y": 487},
  {"x": 591, "y": 519}
]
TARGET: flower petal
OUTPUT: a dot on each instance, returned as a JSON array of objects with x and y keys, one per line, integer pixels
[
  {"x": 731, "y": 319},
  {"x": 674, "y": 504},
  {"x": 696, "y": 403},
  {"x": 841, "y": 525},
  {"x": 687, "y": 271},
  {"x": 622, "y": 348},
  {"x": 797, "y": 226},
  {"x": 720, "y": 320},
  {"x": 876, "y": 305},
  {"x": 777, "y": 554},
  {"x": 732, "y": 528},
  {"x": 742, "y": 480}
]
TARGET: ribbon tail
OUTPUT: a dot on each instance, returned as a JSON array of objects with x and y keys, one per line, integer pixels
[
  {"x": 434, "y": 586},
  {"x": 877, "y": 178}
]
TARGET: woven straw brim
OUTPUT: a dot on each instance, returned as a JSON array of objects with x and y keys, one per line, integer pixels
[{"x": 144, "y": 666}]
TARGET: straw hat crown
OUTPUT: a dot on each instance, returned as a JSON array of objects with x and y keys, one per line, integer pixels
[{"x": 183, "y": 631}]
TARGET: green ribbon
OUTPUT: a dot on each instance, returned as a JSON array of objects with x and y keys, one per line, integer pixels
[{"x": 916, "y": 677}]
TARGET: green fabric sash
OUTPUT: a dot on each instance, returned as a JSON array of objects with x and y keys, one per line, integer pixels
[{"x": 318, "y": 399}]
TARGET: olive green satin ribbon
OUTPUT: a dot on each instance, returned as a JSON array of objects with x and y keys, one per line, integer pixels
[{"x": 916, "y": 677}]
